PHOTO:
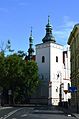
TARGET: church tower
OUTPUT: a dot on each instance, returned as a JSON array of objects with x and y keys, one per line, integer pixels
[
  {"x": 49, "y": 60},
  {"x": 48, "y": 36},
  {"x": 30, "y": 50}
]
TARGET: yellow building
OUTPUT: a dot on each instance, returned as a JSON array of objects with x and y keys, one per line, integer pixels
[{"x": 73, "y": 41}]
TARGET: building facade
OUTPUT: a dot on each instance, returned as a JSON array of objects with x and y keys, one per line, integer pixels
[
  {"x": 54, "y": 69},
  {"x": 66, "y": 75},
  {"x": 73, "y": 41}
]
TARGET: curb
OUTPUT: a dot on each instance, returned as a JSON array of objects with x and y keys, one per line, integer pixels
[{"x": 1, "y": 108}]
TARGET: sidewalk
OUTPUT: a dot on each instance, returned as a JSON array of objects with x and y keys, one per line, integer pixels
[
  {"x": 69, "y": 111},
  {"x": 75, "y": 113}
]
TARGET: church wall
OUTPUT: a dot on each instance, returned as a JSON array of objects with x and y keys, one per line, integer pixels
[
  {"x": 53, "y": 72},
  {"x": 43, "y": 50},
  {"x": 56, "y": 71},
  {"x": 66, "y": 74}
]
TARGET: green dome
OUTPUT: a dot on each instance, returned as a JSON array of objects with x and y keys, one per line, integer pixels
[{"x": 48, "y": 36}]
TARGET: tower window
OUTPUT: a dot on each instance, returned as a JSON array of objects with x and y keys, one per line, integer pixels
[
  {"x": 56, "y": 89},
  {"x": 43, "y": 59},
  {"x": 56, "y": 58}
]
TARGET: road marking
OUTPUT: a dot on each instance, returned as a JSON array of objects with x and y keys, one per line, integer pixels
[
  {"x": 24, "y": 115},
  {"x": 1, "y": 108},
  {"x": 11, "y": 113},
  {"x": 69, "y": 115}
]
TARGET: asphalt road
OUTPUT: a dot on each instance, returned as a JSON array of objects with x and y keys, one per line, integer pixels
[{"x": 42, "y": 112}]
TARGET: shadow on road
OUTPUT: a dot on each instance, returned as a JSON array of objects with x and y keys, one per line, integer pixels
[{"x": 48, "y": 110}]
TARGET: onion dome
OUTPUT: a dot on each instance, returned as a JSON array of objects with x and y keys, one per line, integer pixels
[{"x": 48, "y": 36}]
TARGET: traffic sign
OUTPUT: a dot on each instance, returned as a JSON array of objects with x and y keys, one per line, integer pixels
[{"x": 72, "y": 89}]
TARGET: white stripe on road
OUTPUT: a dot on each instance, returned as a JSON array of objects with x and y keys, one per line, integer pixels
[
  {"x": 11, "y": 113},
  {"x": 1, "y": 108},
  {"x": 24, "y": 115}
]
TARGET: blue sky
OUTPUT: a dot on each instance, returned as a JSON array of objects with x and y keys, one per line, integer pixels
[{"x": 17, "y": 17}]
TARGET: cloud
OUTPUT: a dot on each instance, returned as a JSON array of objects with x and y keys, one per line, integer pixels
[{"x": 63, "y": 31}]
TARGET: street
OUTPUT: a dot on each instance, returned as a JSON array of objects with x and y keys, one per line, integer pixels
[{"x": 41, "y": 112}]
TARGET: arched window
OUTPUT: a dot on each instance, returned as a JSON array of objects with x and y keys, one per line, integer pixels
[
  {"x": 56, "y": 58},
  {"x": 56, "y": 89},
  {"x": 43, "y": 59}
]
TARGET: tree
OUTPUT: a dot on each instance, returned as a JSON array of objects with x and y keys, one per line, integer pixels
[
  {"x": 6, "y": 47},
  {"x": 3, "y": 70},
  {"x": 31, "y": 78},
  {"x": 19, "y": 76}
]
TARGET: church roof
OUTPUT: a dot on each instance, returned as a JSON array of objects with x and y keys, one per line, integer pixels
[
  {"x": 48, "y": 36},
  {"x": 30, "y": 50}
]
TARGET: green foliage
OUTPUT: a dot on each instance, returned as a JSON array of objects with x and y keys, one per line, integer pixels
[
  {"x": 31, "y": 72},
  {"x": 6, "y": 47},
  {"x": 18, "y": 75}
]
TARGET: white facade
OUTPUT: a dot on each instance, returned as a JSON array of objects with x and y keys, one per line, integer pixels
[
  {"x": 52, "y": 70},
  {"x": 55, "y": 70},
  {"x": 66, "y": 74},
  {"x": 44, "y": 68}
]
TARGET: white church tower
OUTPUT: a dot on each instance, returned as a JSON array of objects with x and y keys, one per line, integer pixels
[{"x": 49, "y": 57}]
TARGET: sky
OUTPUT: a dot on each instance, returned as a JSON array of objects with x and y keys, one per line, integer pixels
[{"x": 18, "y": 16}]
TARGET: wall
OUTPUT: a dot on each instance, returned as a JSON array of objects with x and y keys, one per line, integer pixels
[
  {"x": 43, "y": 50},
  {"x": 56, "y": 71}
]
